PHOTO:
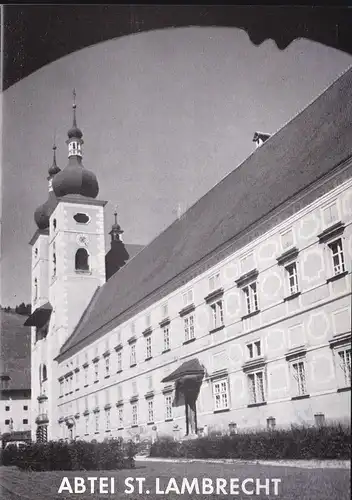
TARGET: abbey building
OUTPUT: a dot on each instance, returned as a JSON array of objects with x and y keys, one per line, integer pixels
[{"x": 237, "y": 316}]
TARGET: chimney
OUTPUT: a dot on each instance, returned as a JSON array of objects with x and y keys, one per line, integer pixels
[{"x": 259, "y": 138}]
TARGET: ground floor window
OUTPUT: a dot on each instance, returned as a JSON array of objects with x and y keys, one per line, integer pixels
[
  {"x": 150, "y": 411},
  {"x": 135, "y": 414},
  {"x": 221, "y": 394},
  {"x": 256, "y": 387},
  {"x": 168, "y": 407}
]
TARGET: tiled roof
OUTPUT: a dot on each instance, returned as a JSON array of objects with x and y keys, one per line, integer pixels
[{"x": 312, "y": 144}]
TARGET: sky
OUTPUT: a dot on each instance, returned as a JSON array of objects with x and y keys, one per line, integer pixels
[{"x": 165, "y": 116}]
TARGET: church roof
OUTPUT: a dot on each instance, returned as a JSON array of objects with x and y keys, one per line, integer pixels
[{"x": 312, "y": 144}]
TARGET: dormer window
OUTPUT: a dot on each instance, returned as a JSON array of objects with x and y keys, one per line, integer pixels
[{"x": 82, "y": 260}]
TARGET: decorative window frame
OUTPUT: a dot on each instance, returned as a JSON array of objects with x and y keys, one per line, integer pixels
[
  {"x": 297, "y": 355},
  {"x": 330, "y": 235},
  {"x": 243, "y": 282},
  {"x": 211, "y": 299},
  {"x": 338, "y": 343},
  {"x": 216, "y": 378}
]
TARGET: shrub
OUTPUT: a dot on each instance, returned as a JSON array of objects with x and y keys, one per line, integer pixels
[
  {"x": 77, "y": 455},
  {"x": 326, "y": 442}
]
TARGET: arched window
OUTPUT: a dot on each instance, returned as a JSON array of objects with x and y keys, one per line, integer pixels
[
  {"x": 81, "y": 260},
  {"x": 54, "y": 260},
  {"x": 54, "y": 224},
  {"x": 44, "y": 373},
  {"x": 35, "y": 288}
]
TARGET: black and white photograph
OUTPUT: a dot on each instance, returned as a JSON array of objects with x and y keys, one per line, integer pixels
[{"x": 176, "y": 252}]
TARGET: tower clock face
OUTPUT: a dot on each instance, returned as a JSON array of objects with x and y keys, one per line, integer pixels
[{"x": 82, "y": 239}]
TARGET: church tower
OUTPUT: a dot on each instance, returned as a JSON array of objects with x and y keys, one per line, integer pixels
[
  {"x": 68, "y": 265},
  {"x": 41, "y": 311},
  {"x": 76, "y": 240}
]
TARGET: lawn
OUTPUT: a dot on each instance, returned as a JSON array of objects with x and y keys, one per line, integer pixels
[{"x": 296, "y": 483}]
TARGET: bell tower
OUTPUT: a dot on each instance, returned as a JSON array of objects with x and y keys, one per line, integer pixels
[
  {"x": 41, "y": 311},
  {"x": 76, "y": 239}
]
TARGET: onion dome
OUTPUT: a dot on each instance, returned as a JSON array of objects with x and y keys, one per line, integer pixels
[
  {"x": 75, "y": 178},
  {"x": 42, "y": 213},
  {"x": 116, "y": 230},
  {"x": 54, "y": 169}
]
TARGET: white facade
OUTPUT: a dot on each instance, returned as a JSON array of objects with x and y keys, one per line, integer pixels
[{"x": 276, "y": 345}]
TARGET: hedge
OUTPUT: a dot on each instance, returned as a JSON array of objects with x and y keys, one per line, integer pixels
[
  {"x": 77, "y": 455},
  {"x": 327, "y": 442}
]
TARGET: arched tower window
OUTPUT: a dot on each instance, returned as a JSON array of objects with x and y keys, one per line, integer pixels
[
  {"x": 35, "y": 288},
  {"x": 44, "y": 373},
  {"x": 82, "y": 260},
  {"x": 54, "y": 260}
]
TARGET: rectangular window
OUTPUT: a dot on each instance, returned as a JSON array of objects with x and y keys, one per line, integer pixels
[
  {"x": 217, "y": 314},
  {"x": 107, "y": 420},
  {"x": 7, "y": 408},
  {"x": 187, "y": 298},
  {"x": 96, "y": 372},
  {"x": 345, "y": 362},
  {"x": 107, "y": 366},
  {"x": 119, "y": 361},
  {"x": 87, "y": 423},
  {"x": 150, "y": 411},
  {"x": 256, "y": 387},
  {"x": 299, "y": 376},
  {"x": 214, "y": 282},
  {"x": 338, "y": 260},
  {"x": 7, "y": 422},
  {"x": 148, "y": 341},
  {"x": 135, "y": 414},
  {"x": 25, "y": 407},
  {"x": 251, "y": 297},
  {"x": 133, "y": 355},
  {"x": 188, "y": 323},
  {"x": 25, "y": 421},
  {"x": 221, "y": 395},
  {"x": 168, "y": 407},
  {"x": 97, "y": 422},
  {"x": 166, "y": 331},
  {"x": 291, "y": 270},
  {"x": 120, "y": 416},
  {"x": 254, "y": 349}
]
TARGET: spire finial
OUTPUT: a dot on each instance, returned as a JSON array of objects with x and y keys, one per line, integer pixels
[
  {"x": 115, "y": 214},
  {"x": 74, "y": 106}
]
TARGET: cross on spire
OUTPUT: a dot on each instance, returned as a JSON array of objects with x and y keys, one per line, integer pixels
[{"x": 74, "y": 106}]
